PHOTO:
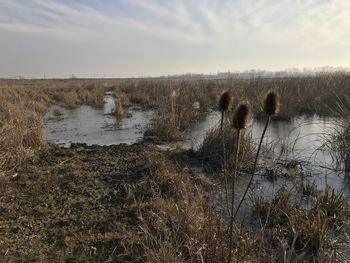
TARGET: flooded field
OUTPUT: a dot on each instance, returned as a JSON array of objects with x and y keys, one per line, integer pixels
[
  {"x": 94, "y": 126},
  {"x": 300, "y": 139}
]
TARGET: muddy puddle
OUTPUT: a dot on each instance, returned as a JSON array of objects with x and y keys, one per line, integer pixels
[{"x": 94, "y": 126}]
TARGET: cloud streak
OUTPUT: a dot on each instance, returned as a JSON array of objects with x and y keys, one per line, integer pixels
[{"x": 219, "y": 34}]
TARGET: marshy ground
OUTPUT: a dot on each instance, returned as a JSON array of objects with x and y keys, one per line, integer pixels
[
  {"x": 113, "y": 203},
  {"x": 139, "y": 203}
]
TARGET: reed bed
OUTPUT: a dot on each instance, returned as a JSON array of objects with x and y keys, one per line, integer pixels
[
  {"x": 298, "y": 234},
  {"x": 299, "y": 96},
  {"x": 23, "y": 104},
  {"x": 212, "y": 151},
  {"x": 338, "y": 143},
  {"x": 178, "y": 105},
  {"x": 122, "y": 103}
]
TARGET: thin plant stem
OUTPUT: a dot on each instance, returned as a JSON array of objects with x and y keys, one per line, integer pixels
[
  {"x": 254, "y": 167},
  {"x": 233, "y": 195},
  {"x": 224, "y": 162}
]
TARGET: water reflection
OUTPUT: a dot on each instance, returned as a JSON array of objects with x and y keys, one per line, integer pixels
[
  {"x": 94, "y": 126},
  {"x": 300, "y": 139}
]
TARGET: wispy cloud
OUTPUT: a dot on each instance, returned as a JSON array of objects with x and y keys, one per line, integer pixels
[
  {"x": 184, "y": 20},
  {"x": 247, "y": 32}
]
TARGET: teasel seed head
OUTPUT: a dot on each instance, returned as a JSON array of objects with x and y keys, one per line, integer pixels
[
  {"x": 271, "y": 104},
  {"x": 225, "y": 101},
  {"x": 242, "y": 115}
]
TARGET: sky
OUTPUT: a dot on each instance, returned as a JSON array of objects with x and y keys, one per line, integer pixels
[{"x": 140, "y": 38}]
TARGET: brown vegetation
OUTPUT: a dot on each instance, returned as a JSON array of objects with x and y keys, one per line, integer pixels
[
  {"x": 337, "y": 140},
  {"x": 130, "y": 209},
  {"x": 311, "y": 235},
  {"x": 212, "y": 152},
  {"x": 178, "y": 106},
  {"x": 121, "y": 103},
  {"x": 173, "y": 99},
  {"x": 23, "y": 104},
  {"x": 113, "y": 204},
  {"x": 23, "y": 101}
]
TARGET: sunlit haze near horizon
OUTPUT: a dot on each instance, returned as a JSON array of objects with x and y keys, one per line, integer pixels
[{"x": 123, "y": 38}]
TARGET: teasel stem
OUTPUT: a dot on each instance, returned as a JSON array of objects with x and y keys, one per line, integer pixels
[
  {"x": 271, "y": 107},
  {"x": 222, "y": 121},
  {"x": 240, "y": 121},
  {"x": 254, "y": 167},
  {"x": 236, "y": 163},
  {"x": 224, "y": 103},
  {"x": 224, "y": 162}
]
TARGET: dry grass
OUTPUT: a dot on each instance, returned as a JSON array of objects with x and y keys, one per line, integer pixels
[
  {"x": 136, "y": 209},
  {"x": 119, "y": 108},
  {"x": 337, "y": 140},
  {"x": 178, "y": 104},
  {"x": 175, "y": 101},
  {"x": 212, "y": 150},
  {"x": 311, "y": 234},
  {"x": 131, "y": 209},
  {"x": 20, "y": 125},
  {"x": 302, "y": 95},
  {"x": 23, "y": 104},
  {"x": 180, "y": 107},
  {"x": 121, "y": 103}
]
